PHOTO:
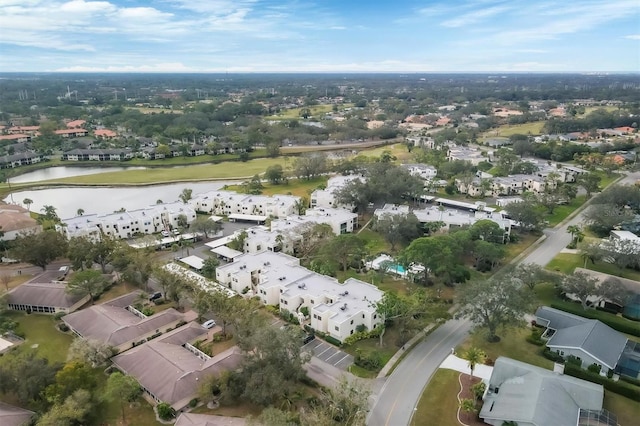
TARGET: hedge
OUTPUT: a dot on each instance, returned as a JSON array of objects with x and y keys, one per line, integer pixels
[
  {"x": 617, "y": 323},
  {"x": 333, "y": 340},
  {"x": 621, "y": 388}
]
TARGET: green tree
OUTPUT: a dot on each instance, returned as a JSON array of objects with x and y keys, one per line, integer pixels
[
  {"x": 165, "y": 411},
  {"x": 209, "y": 267},
  {"x": 527, "y": 213},
  {"x": 487, "y": 255},
  {"x": 434, "y": 253},
  {"x": 347, "y": 403},
  {"x": 93, "y": 352},
  {"x": 398, "y": 228},
  {"x": 590, "y": 182},
  {"x": 185, "y": 195},
  {"x": 205, "y": 226},
  {"x": 275, "y": 174},
  {"x": 474, "y": 356},
  {"x": 494, "y": 303},
  {"x": 75, "y": 410},
  {"x": 49, "y": 213},
  {"x": 238, "y": 242},
  {"x": 73, "y": 376},
  {"x": 27, "y": 202},
  {"x": 576, "y": 234},
  {"x": 40, "y": 249},
  {"x": 487, "y": 230},
  {"x": 88, "y": 282},
  {"x": 123, "y": 389},
  {"x": 26, "y": 376},
  {"x": 345, "y": 249},
  {"x": 79, "y": 253},
  {"x": 580, "y": 285},
  {"x": 531, "y": 274}
]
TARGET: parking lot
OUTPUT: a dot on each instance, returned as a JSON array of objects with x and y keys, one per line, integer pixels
[{"x": 329, "y": 354}]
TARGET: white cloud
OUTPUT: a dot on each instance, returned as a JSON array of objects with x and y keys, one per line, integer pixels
[
  {"x": 159, "y": 67},
  {"x": 475, "y": 17},
  {"x": 633, "y": 37}
]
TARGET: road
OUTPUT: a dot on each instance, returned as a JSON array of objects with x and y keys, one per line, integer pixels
[
  {"x": 402, "y": 390},
  {"x": 399, "y": 396}
]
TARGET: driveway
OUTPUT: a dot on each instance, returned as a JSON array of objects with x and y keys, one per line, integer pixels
[{"x": 329, "y": 354}]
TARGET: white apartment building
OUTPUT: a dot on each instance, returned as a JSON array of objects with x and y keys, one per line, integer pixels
[
  {"x": 284, "y": 233},
  {"x": 278, "y": 279},
  {"x": 326, "y": 197},
  {"x": 471, "y": 155},
  {"x": 451, "y": 218},
  {"x": 423, "y": 171},
  {"x": 504, "y": 185},
  {"x": 127, "y": 224},
  {"x": 230, "y": 202}
]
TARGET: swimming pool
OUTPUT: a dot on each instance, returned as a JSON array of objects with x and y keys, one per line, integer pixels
[{"x": 399, "y": 269}]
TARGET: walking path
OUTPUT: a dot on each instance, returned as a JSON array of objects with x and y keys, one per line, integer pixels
[{"x": 453, "y": 362}]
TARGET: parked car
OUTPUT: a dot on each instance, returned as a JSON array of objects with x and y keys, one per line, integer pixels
[
  {"x": 176, "y": 232},
  {"x": 165, "y": 233},
  {"x": 155, "y": 296},
  {"x": 209, "y": 324}
]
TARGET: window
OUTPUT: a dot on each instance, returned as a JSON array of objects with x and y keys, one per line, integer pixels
[
  {"x": 351, "y": 332},
  {"x": 351, "y": 322},
  {"x": 337, "y": 328},
  {"x": 375, "y": 316}
]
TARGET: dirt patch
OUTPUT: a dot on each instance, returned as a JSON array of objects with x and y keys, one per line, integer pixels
[{"x": 469, "y": 419}]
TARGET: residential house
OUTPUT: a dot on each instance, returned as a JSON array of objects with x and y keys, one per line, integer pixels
[
  {"x": 29, "y": 130},
  {"x": 17, "y": 138},
  {"x": 120, "y": 325},
  {"x": 461, "y": 153},
  {"x": 127, "y": 224},
  {"x": 44, "y": 294},
  {"x": 170, "y": 369},
  {"x": 229, "y": 202},
  {"x": 326, "y": 197},
  {"x": 10, "y": 415},
  {"x": 71, "y": 133},
  {"x": 76, "y": 124},
  {"x": 424, "y": 171},
  {"x": 16, "y": 220},
  {"x": 196, "y": 150},
  {"x": 278, "y": 279},
  {"x": 21, "y": 159},
  {"x": 98, "y": 155},
  {"x": 532, "y": 396},
  {"x": 105, "y": 134},
  {"x": 589, "y": 341}
]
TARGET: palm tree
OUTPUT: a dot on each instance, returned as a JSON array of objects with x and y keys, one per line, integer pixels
[
  {"x": 27, "y": 202},
  {"x": 576, "y": 234},
  {"x": 80, "y": 212},
  {"x": 474, "y": 356}
]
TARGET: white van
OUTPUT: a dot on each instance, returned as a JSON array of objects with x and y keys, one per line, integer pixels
[{"x": 209, "y": 324}]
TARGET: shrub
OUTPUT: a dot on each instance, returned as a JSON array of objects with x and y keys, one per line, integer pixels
[
  {"x": 332, "y": 340},
  {"x": 621, "y": 388},
  {"x": 304, "y": 311},
  {"x": 193, "y": 402},
  {"x": 370, "y": 361},
  {"x": 245, "y": 290},
  {"x": 147, "y": 311},
  {"x": 160, "y": 301},
  {"x": 553, "y": 356},
  {"x": 575, "y": 361},
  {"x": 165, "y": 411},
  {"x": 63, "y": 327},
  {"x": 615, "y": 322},
  {"x": 594, "y": 368},
  {"x": 535, "y": 337},
  {"x": 360, "y": 328},
  {"x": 478, "y": 389},
  {"x": 59, "y": 315},
  {"x": 273, "y": 309}
]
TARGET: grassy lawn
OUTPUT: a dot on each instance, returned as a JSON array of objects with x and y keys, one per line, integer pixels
[
  {"x": 374, "y": 241},
  {"x": 116, "y": 290},
  {"x": 627, "y": 411},
  {"x": 240, "y": 409},
  {"x": 438, "y": 403},
  {"x": 534, "y": 128},
  {"x": 298, "y": 187},
  {"x": 512, "y": 345},
  {"x": 398, "y": 150},
  {"x": 561, "y": 212},
  {"x": 16, "y": 280},
  {"x": 316, "y": 110},
  {"x": 40, "y": 330},
  {"x": 567, "y": 262},
  {"x": 225, "y": 170},
  {"x": 388, "y": 282},
  {"x": 514, "y": 249}
]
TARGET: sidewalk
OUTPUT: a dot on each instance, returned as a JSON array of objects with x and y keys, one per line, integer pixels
[{"x": 453, "y": 362}]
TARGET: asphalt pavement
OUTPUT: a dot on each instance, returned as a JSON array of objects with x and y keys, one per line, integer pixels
[{"x": 397, "y": 400}]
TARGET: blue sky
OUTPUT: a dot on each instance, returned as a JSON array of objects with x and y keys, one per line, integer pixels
[{"x": 320, "y": 35}]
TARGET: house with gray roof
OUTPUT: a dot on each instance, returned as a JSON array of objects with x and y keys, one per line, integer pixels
[
  {"x": 533, "y": 396},
  {"x": 120, "y": 325},
  {"x": 588, "y": 340},
  {"x": 46, "y": 297},
  {"x": 169, "y": 368}
]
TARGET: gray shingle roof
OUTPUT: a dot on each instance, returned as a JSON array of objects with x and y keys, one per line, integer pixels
[
  {"x": 168, "y": 370},
  {"x": 532, "y": 395},
  {"x": 42, "y": 294},
  {"x": 593, "y": 337}
]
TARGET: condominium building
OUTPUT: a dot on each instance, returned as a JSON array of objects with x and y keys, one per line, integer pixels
[
  {"x": 229, "y": 202},
  {"x": 278, "y": 279},
  {"x": 326, "y": 197}
]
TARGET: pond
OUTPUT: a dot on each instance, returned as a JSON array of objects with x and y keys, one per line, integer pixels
[
  {"x": 67, "y": 201},
  {"x": 65, "y": 171}
]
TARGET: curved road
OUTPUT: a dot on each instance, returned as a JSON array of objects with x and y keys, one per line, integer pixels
[{"x": 399, "y": 396}]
